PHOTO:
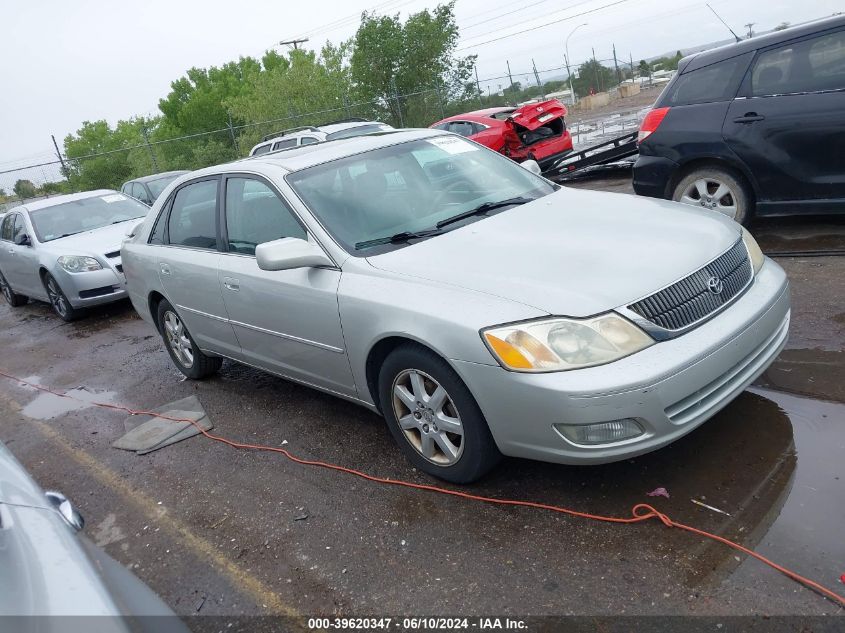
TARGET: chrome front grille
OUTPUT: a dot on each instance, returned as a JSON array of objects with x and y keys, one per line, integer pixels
[{"x": 699, "y": 295}]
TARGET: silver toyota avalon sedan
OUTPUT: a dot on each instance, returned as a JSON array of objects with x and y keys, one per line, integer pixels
[
  {"x": 480, "y": 308},
  {"x": 66, "y": 250}
]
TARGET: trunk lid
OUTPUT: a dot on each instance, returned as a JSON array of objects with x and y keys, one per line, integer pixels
[{"x": 535, "y": 115}]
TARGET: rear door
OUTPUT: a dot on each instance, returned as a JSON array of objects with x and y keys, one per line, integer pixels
[
  {"x": 287, "y": 321},
  {"x": 188, "y": 261},
  {"x": 788, "y": 125}
]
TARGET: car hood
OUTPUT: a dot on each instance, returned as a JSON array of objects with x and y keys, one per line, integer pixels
[
  {"x": 572, "y": 253},
  {"x": 106, "y": 239}
]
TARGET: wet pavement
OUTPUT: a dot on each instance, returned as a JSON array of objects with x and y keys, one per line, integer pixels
[{"x": 219, "y": 531}]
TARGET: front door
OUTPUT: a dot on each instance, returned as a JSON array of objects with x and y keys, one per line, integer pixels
[
  {"x": 19, "y": 263},
  {"x": 187, "y": 265},
  {"x": 789, "y": 127},
  {"x": 286, "y": 321}
]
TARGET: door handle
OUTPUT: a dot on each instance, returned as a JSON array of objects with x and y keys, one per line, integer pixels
[
  {"x": 749, "y": 117},
  {"x": 164, "y": 268},
  {"x": 231, "y": 283}
]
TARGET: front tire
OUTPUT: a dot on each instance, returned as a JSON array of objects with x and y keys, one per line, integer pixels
[
  {"x": 433, "y": 416},
  {"x": 181, "y": 346},
  {"x": 715, "y": 189},
  {"x": 59, "y": 300},
  {"x": 12, "y": 298}
]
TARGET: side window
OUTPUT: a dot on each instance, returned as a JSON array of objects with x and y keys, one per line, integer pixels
[
  {"x": 192, "y": 219},
  {"x": 261, "y": 149},
  {"x": 140, "y": 193},
  {"x": 157, "y": 234},
  {"x": 810, "y": 66},
  {"x": 477, "y": 127},
  {"x": 6, "y": 228},
  {"x": 464, "y": 128},
  {"x": 255, "y": 214},
  {"x": 126, "y": 188},
  {"x": 307, "y": 140},
  {"x": 288, "y": 142},
  {"x": 716, "y": 82},
  {"x": 19, "y": 227}
]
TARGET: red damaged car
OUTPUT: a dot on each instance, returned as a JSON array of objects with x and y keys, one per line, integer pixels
[{"x": 534, "y": 131}]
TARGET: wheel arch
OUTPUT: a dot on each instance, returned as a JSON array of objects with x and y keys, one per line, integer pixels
[
  {"x": 377, "y": 354},
  {"x": 721, "y": 162},
  {"x": 153, "y": 301}
]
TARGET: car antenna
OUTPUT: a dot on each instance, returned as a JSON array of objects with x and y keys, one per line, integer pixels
[{"x": 738, "y": 39}]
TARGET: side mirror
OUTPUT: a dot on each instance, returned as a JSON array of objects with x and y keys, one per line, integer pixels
[
  {"x": 134, "y": 230},
  {"x": 531, "y": 165},
  {"x": 289, "y": 253},
  {"x": 22, "y": 239},
  {"x": 64, "y": 507}
]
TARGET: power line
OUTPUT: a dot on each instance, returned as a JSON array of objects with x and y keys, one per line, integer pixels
[
  {"x": 540, "y": 26},
  {"x": 496, "y": 17}
]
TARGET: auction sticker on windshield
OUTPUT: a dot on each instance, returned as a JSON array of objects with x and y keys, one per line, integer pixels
[
  {"x": 453, "y": 144},
  {"x": 115, "y": 197}
]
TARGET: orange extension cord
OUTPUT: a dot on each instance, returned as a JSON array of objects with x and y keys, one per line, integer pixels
[{"x": 639, "y": 513}]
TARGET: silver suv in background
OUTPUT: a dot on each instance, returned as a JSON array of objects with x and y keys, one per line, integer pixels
[
  {"x": 307, "y": 135},
  {"x": 482, "y": 309}
]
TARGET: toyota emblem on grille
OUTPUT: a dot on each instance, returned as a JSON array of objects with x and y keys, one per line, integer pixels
[{"x": 714, "y": 285}]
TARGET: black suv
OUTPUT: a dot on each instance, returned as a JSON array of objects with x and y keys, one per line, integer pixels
[{"x": 752, "y": 127}]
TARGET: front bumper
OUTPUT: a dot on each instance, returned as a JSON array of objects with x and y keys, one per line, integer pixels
[
  {"x": 91, "y": 288},
  {"x": 670, "y": 388},
  {"x": 652, "y": 175}
]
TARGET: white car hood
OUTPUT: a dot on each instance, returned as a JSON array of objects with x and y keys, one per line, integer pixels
[
  {"x": 572, "y": 253},
  {"x": 106, "y": 239}
]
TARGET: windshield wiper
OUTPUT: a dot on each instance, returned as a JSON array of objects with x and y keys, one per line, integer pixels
[
  {"x": 483, "y": 209},
  {"x": 68, "y": 234},
  {"x": 397, "y": 238}
]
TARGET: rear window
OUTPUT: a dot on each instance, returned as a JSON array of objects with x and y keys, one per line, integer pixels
[
  {"x": 359, "y": 130},
  {"x": 716, "y": 82}
]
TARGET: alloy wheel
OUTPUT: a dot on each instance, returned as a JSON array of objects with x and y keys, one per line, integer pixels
[
  {"x": 712, "y": 194},
  {"x": 177, "y": 338},
  {"x": 7, "y": 290},
  {"x": 428, "y": 417},
  {"x": 57, "y": 298}
]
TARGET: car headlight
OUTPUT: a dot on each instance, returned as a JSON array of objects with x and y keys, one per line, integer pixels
[
  {"x": 79, "y": 264},
  {"x": 558, "y": 344},
  {"x": 754, "y": 253}
]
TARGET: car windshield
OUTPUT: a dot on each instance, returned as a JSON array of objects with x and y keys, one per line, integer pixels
[
  {"x": 358, "y": 130},
  {"x": 411, "y": 187},
  {"x": 157, "y": 186},
  {"x": 86, "y": 214}
]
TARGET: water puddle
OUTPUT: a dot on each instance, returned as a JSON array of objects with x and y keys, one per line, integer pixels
[{"x": 47, "y": 406}]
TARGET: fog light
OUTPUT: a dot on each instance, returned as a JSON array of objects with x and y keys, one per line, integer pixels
[{"x": 602, "y": 433}]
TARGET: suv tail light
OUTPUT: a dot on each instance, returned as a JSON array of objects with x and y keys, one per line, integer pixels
[{"x": 650, "y": 123}]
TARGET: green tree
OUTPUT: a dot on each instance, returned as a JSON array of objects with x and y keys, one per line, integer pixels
[
  {"x": 25, "y": 189},
  {"x": 592, "y": 77},
  {"x": 393, "y": 58},
  {"x": 50, "y": 188},
  {"x": 644, "y": 68},
  {"x": 98, "y": 154},
  {"x": 3, "y": 193},
  {"x": 782, "y": 26}
]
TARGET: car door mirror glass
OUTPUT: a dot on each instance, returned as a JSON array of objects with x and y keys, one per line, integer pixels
[
  {"x": 531, "y": 165},
  {"x": 22, "y": 239},
  {"x": 289, "y": 253}
]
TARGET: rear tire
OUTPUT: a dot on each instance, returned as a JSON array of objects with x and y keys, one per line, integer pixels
[
  {"x": 716, "y": 189},
  {"x": 433, "y": 416},
  {"x": 181, "y": 346},
  {"x": 12, "y": 298},
  {"x": 59, "y": 300}
]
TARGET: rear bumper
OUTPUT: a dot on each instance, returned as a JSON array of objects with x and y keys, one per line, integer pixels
[
  {"x": 670, "y": 388},
  {"x": 652, "y": 175}
]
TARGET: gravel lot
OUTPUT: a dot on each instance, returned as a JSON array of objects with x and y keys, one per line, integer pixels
[{"x": 218, "y": 531}]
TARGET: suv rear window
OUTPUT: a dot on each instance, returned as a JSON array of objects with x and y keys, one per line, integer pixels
[{"x": 716, "y": 82}]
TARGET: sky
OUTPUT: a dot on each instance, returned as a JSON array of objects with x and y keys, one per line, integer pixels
[{"x": 62, "y": 63}]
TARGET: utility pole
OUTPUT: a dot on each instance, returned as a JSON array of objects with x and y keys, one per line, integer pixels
[
  {"x": 750, "y": 32},
  {"x": 616, "y": 65},
  {"x": 294, "y": 43},
  {"x": 398, "y": 103},
  {"x": 59, "y": 154},
  {"x": 478, "y": 85},
  {"x": 569, "y": 78},
  {"x": 537, "y": 78},
  {"x": 596, "y": 71},
  {"x": 509, "y": 73},
  {"x": 149, "y": 148},
  {"x": 232, "y": 132}
]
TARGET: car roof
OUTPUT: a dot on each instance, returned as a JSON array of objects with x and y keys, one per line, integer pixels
[
  {"x": 346, "y": 125},
  {"x": 164, "y": 174},
  {"x": 304, "y": 156},
  {"x": 705, "y": 58},
  {"x": 71, "y": 197}
]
